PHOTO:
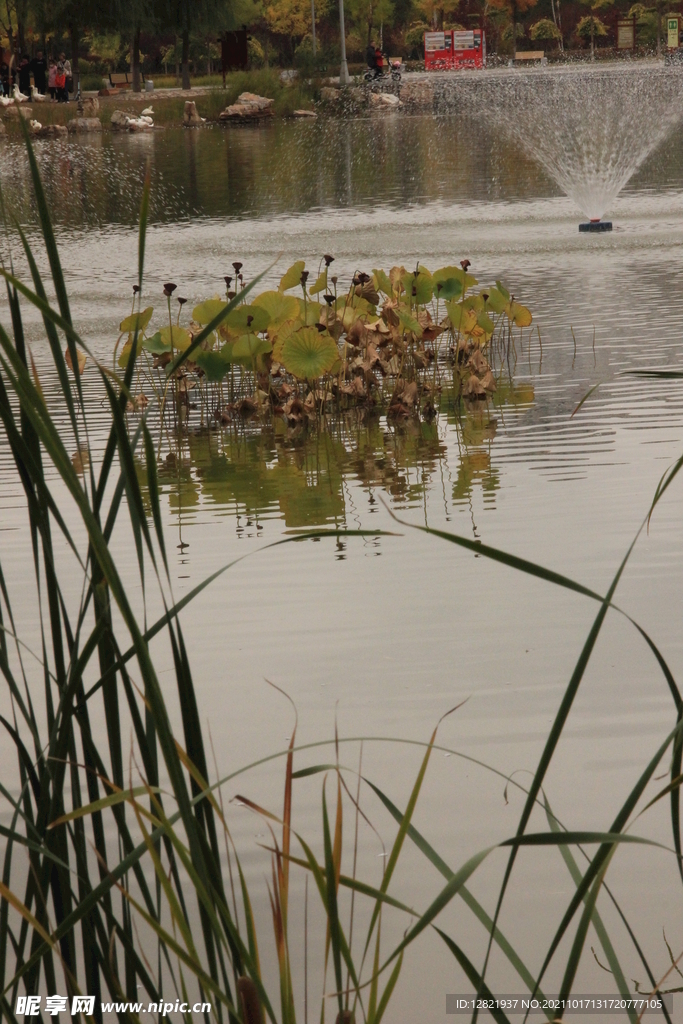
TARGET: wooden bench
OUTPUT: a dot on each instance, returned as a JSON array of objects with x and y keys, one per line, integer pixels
[
  {"x": 123, "y": 79},
  {"x": 525, "y": 55}
]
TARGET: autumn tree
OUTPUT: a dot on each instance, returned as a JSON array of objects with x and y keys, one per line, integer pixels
[
  {"x": 370, "y": 13},
  {"x": 195, "y": 16},
  {"x": 436, "y": 12},
  {"x": 513, "y": 8},
  {"x": 291, "y": 19},
  {"x": 592, "y": 25}
]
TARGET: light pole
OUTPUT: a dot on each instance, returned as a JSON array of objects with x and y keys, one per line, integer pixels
[{"x": 344, "y": 69}]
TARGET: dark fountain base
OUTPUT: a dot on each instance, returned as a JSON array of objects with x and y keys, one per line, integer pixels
[{"x": 596, "y": 225}]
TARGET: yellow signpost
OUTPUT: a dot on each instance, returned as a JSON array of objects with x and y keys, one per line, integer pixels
[{"x": 672, "y": 33}]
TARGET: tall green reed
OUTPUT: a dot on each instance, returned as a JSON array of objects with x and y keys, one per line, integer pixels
[{"x": 90, "y": 885}]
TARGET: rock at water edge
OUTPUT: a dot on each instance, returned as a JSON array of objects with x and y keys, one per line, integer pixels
[
  {"x": 82, "y": 125},
  {"x": 190, "y": 114},
  {"x": 88, "y": 106},
  {"x": 249, "y": 106},
  {"x": 119, "y": 120}
]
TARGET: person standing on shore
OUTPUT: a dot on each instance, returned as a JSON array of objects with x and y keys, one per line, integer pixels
[
  {"x": 60, "y": 84},
  {"x": 67, "y": 71},
  {"x": 52, "y": 79},
  {"x": 4, "y": 74},
  {"x": 39, "y": 69},
  {"x": 25, "y": 76}
]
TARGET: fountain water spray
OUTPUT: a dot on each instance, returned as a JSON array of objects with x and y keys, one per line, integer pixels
[{"x": 590, "y": 129}]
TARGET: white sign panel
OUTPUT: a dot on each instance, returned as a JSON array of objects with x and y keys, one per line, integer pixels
[
  {"x": 463, "y": 40},
  {"x": 435, "y": 41}
]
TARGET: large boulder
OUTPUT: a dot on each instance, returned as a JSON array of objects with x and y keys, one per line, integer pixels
[
  {"x": 418, "y": 95},
  {"x": 18, "y": 110},
  {"x": 82, "y": 125},
  {"x": 49, "y": 131},
  {"x": 190, "y": 116},
  {"x": 88, "y": 106},
  {"x": 249, "y": 107},
  {"x": 119, "y": 120},
  {"x": 384, "y": 101}
]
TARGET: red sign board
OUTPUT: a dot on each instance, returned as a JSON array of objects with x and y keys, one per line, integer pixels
[{"x": 453, "y": 49}]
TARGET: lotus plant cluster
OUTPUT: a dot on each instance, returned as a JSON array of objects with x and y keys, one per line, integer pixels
[{"x": 308, "y": 347}]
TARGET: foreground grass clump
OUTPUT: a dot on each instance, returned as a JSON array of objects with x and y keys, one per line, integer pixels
[
  {"x": 316, "y": 345},
  {"x": 115, "y": 880}
]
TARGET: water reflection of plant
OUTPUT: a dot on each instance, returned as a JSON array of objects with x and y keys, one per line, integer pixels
[{"x": 299, "y": 475}]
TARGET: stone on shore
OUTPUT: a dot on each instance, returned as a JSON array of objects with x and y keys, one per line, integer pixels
[
  {"x": 191, "y": 117},
  {"x": 249, "y": 107},
  {"x": 384, "y": 100},
  {"x": 18, "y": 110},
  {"x": 88, "y": 106},
  {"x": 119, "y": 120},
  {"x": 304, "y": 113},
  {"x": 83, "y": 125},
  {"x": 49, "y": 131}
]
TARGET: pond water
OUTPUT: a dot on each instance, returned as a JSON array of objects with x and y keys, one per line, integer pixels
[{"x": 383, "y": 635}]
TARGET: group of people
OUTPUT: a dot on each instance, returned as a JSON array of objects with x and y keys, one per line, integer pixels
[{"x": 49, "y": 75}]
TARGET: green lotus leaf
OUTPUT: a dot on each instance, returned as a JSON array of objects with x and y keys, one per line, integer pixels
[
  {"x": 463, "y": 318},
  {"x": 214, "y": 364},
  {"x": 176, "y": 338},
  {"x": 252, "y": 319},
  {"x": 419, "y": 288},
  {"x": 408, "y": 322},
  {"x": 320, "y": 284},
  {"x": 292, "y": 277},
  {"x": 206, "y": 311},
  {"x": 485, "y": 321},
  {"x": 278, "y": 306},
  {"x": 311, "y": 313},
  {"x": 156, "y": 345},
  {"x": 496, "y": 301},
  {"x": 126, "y": 351},
  {"x": 279, "y": 337},
  {"x": 307, "y": 354},
  {"x": 382, "y": 282},
  {"x": 466, "y": 280},
  {"x": 247, "y": 348},
  {"x": 137, "y": 320},
  {"x": 502, "y": 289},
  {"x": 451, "y": 288},
  {"x": 520, "y": 315}
]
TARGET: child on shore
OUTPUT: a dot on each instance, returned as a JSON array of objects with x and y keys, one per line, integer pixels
[{"x": 52, "y": 79}]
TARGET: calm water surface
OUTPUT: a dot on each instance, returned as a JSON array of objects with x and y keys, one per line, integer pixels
[{"x": 386, "y": 634}]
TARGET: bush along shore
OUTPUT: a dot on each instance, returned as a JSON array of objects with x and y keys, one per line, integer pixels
[{"x": 391, "y": 341}]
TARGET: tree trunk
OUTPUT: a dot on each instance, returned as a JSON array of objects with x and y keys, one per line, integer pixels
[
  {"x": 514, "y": 30},
  {"x": 177, "y": 62},
  {"x": 659, "y": 31},
  {"x": 186, "y": 58},
  {"x": 592, "y": 41},
  {"x": 75, "y": 40},
  {"x": 137, "y": 86}
]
